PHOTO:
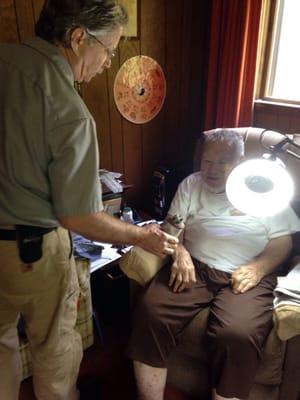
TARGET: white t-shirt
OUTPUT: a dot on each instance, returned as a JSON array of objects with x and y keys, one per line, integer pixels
[{"x": 217, "y": 234}]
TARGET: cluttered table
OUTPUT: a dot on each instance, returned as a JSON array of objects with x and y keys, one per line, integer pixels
[
  {"x": 109, "y": 286},
  {"x": 100, "y": 255},
  {"x": 110, "y": 254}
]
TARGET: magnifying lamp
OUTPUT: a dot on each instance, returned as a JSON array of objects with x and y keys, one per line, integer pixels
[{"x": 262, "y": 186}]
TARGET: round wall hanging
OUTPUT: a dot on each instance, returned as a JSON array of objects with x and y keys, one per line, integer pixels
[{"x": 140, "y": 89}]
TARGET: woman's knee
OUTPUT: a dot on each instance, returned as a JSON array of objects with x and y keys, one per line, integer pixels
[
  {"x": 234, "y": 336},
  {"x": 149, "y": 309}
]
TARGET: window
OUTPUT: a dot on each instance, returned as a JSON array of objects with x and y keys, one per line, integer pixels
[{"x": 280, "y": 76}]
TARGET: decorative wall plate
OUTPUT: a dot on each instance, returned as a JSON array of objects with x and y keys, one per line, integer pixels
[{"x": 140, "y": 89}]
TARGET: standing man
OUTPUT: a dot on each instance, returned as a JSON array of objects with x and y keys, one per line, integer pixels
[{"x": 49, "y": 185}]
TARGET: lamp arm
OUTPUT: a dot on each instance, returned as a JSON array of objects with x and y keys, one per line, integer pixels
[
  {"x": 295, "y": 144},
  {"x": 277, "y": 148},
  {"x": 291, "y": 153}
]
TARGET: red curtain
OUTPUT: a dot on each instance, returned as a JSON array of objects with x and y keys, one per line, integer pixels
[{"x": 231, "y": 64}]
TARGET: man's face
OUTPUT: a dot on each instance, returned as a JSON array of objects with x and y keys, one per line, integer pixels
[
  {"x": 217, "y": 162},
  {"x": 94, "y": 56}
]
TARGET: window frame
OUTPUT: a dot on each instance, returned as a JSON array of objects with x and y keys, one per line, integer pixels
[{"x": 271, "y": 11}]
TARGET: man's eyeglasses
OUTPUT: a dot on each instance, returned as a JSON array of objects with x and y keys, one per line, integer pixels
[{"x": 110, "y": 52}]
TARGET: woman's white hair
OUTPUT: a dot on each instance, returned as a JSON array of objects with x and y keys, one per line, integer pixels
[{"x": 231, "y": 137}]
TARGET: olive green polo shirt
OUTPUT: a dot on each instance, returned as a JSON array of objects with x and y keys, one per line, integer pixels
[{"x": 48, "y": 143}]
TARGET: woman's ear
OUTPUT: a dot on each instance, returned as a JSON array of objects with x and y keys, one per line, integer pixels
[{"x": 77, "y": 37}]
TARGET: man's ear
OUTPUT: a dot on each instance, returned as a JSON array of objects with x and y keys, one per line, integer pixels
[{"x": 77, "y": 37}]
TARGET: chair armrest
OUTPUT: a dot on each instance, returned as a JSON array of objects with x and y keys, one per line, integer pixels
[{"x": 286, "y": 319}]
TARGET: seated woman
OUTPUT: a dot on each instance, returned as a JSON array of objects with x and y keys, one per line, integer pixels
[{"x": 228, "y": 261}]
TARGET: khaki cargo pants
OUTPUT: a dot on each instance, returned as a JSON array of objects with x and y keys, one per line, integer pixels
[{"x": 47, "y": 296}]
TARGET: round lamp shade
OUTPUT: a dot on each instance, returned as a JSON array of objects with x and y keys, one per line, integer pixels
[{"x": 260, "y": 187}]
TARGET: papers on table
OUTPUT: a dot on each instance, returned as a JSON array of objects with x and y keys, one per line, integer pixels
[
  {"x": 110, "y": 181},
  {"x": 109, "y": 254}
]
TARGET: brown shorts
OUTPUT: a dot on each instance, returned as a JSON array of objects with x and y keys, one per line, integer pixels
[{"x": 237, "y": 327}]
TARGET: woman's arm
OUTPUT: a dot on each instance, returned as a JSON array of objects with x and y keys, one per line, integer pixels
[{"x": 183, "y": 273}]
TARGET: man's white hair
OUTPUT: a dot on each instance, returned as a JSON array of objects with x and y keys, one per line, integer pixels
[{"x": 232, "y": 138}]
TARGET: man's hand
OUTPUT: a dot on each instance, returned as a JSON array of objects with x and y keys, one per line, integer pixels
[
  {"x": 103, "y": 227},
  {"x": 182, "y": 271},
  {"x": 156, "y": 241},
  {"x": 245, "y": 278}
]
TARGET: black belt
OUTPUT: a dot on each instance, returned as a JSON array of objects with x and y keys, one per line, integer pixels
[
  {"x": 11, "y": 234},
  {"x": 29, "y": 240}
]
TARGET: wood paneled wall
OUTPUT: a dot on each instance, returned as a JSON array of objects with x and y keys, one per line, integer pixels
[{"x": 173, "y": 32}]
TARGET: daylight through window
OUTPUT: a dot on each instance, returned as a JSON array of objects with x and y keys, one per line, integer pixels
[{"x": 282, "y": 79}]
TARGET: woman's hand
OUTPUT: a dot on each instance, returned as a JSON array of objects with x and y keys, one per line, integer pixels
[
  {"x": 245, "y": 278},
  {"x": 183, "y": 273}
]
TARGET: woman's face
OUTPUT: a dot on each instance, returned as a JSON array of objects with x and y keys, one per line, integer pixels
[{"x": 218, "y": 159}]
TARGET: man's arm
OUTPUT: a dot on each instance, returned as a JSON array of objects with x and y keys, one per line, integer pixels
[
  {"x": 103, "y": 227},
  {"x": 248, "y": 276}
]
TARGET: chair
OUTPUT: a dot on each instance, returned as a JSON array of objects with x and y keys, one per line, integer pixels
[
  {"x": 278, "y": 377},
  {"x": 84, "y": 323}
]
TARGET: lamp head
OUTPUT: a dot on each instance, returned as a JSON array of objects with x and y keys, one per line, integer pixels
[{"x": 260, "y": 187}]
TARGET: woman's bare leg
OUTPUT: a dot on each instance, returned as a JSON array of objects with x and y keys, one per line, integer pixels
[{"x": 150, "y": 381}]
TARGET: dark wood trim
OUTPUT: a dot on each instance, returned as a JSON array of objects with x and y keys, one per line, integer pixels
[{"x": 276, "y": 116}]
